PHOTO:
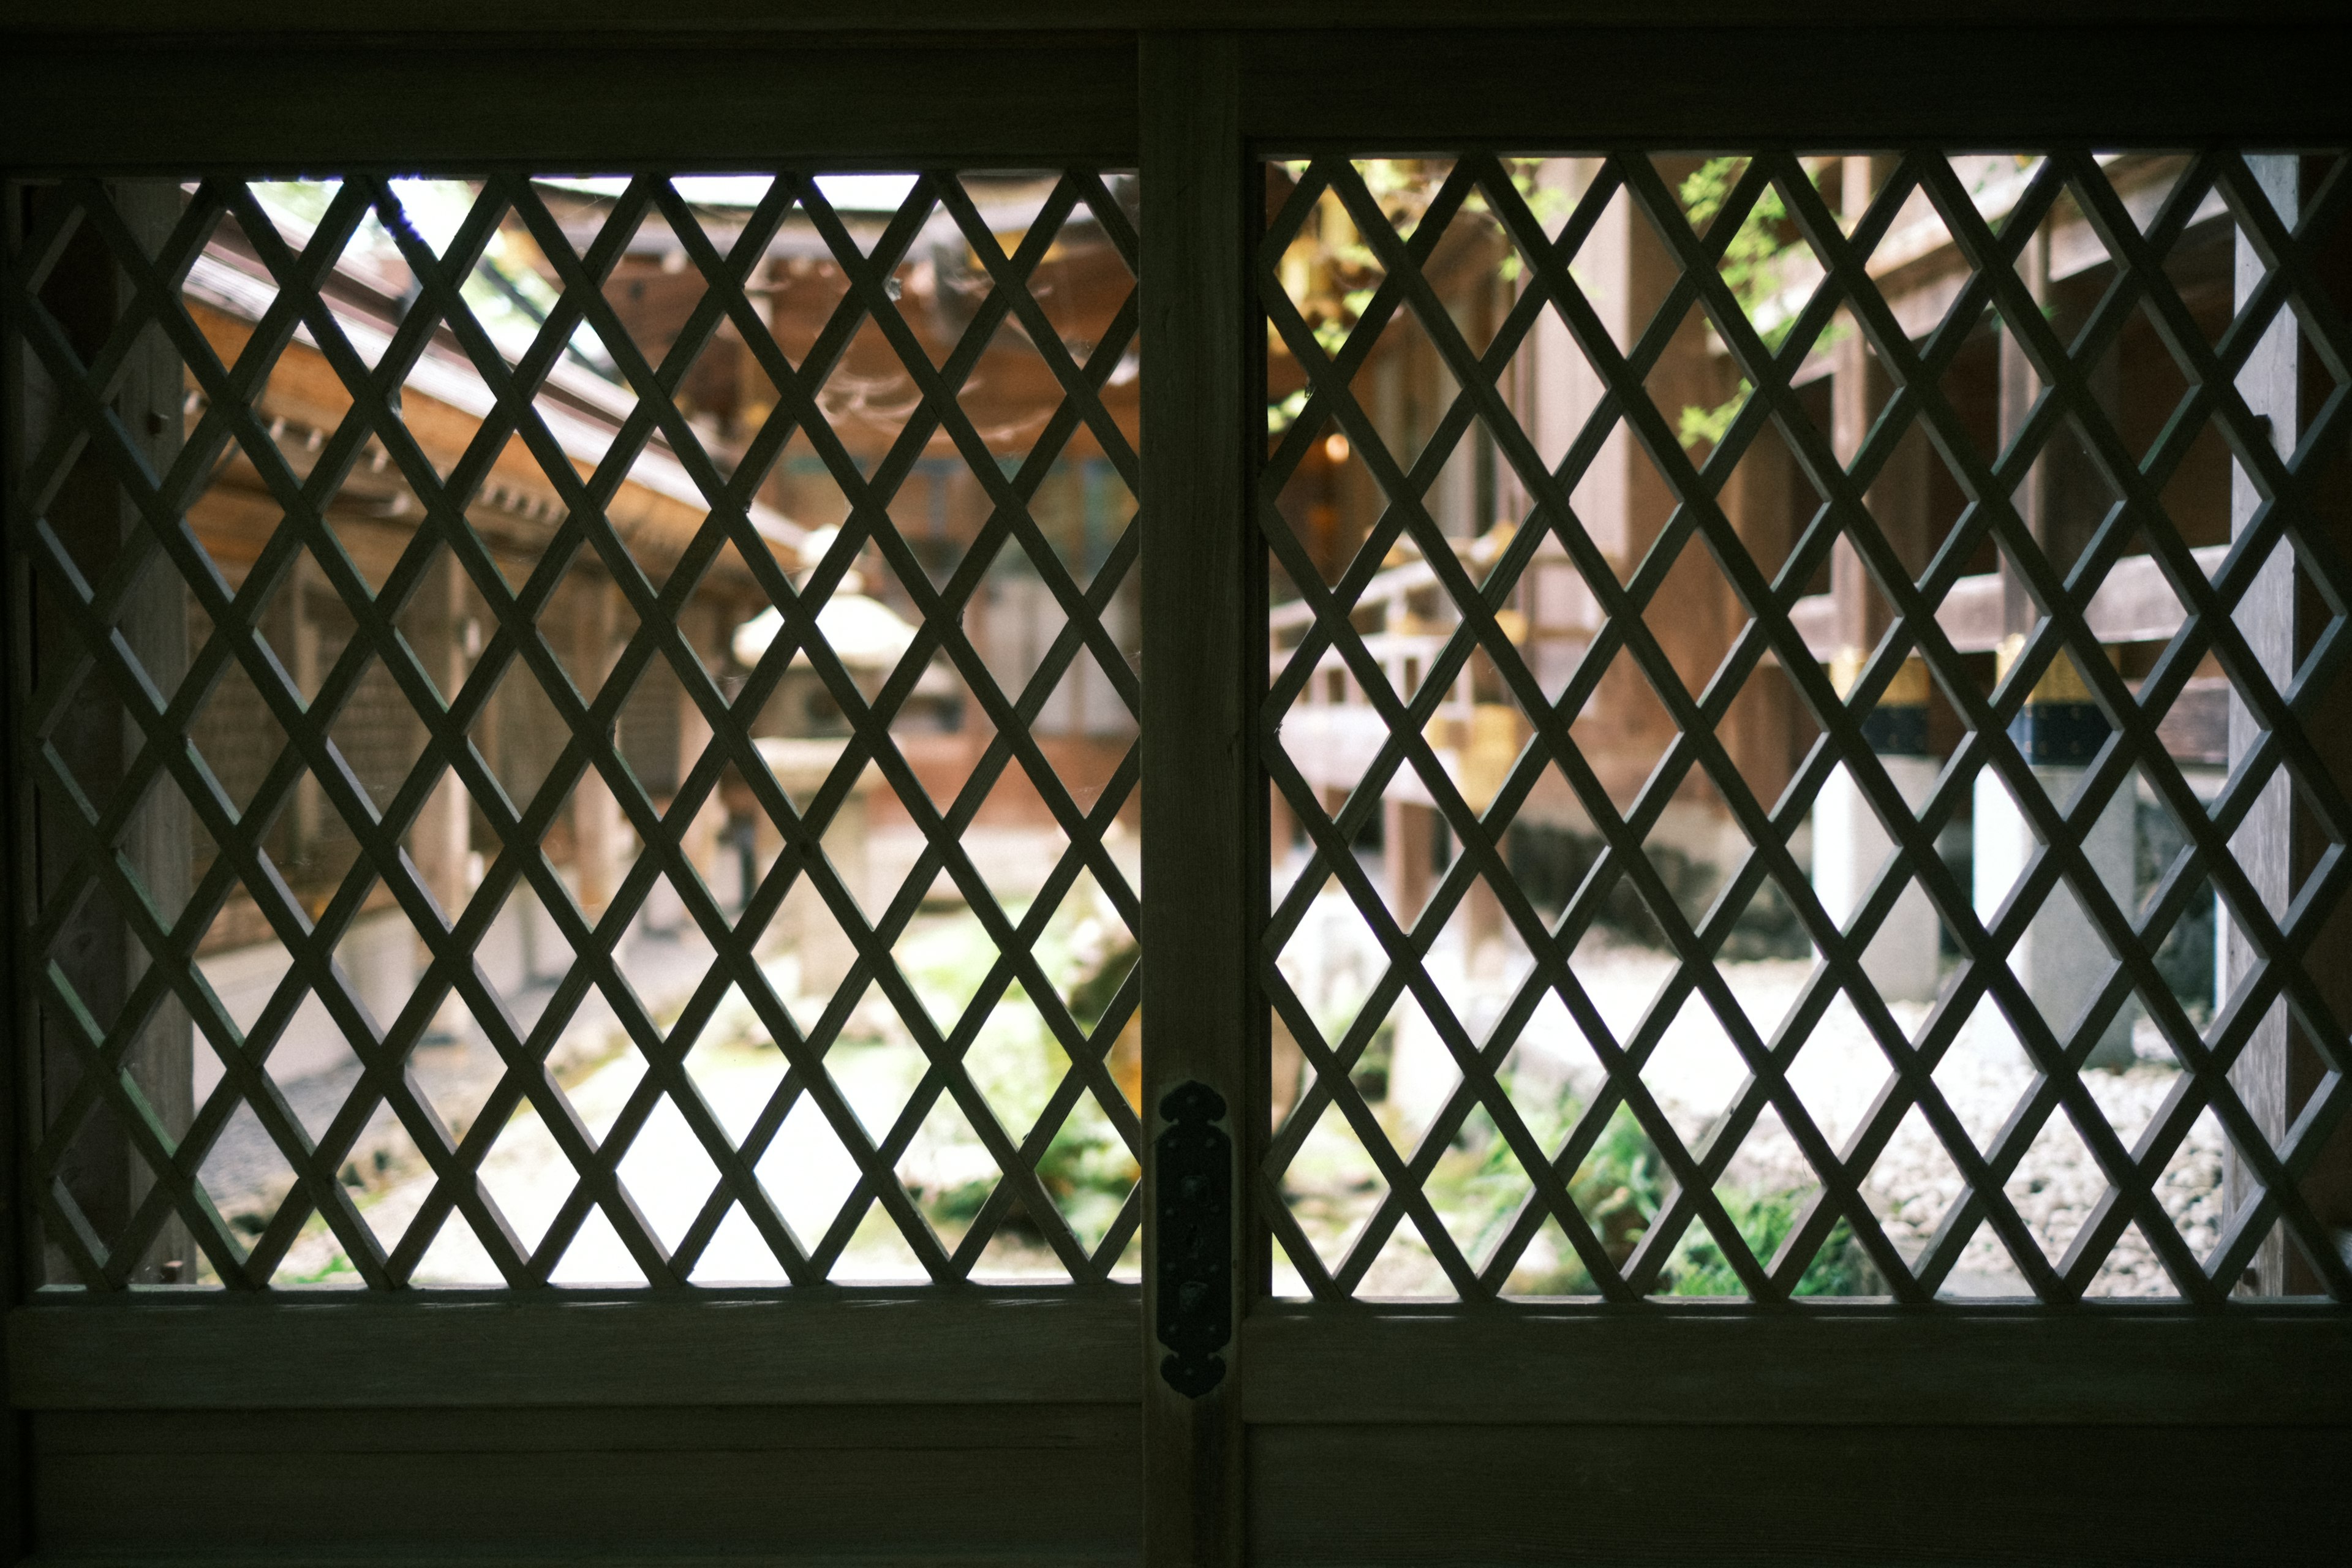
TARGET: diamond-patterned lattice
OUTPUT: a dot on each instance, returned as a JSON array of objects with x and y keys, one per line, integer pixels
[
  {"x": 1778, "y": 667},
  {"x": 581, "y": 731}
]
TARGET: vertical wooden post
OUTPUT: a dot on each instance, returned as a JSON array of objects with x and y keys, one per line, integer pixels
[
  {"x": 596, "y": 826},
  {"x": 303, "y": 585},
  {"x": 2019, "y": 388},
  {"x": 702, "y": 624},
  {"x": 1408, "y": 856},
  {"x": 103, "y": 960},
  {"x": 441, "y": 839},
  {"x": 1205, "y": 813},
  {"x": 2264, "y": 844}
]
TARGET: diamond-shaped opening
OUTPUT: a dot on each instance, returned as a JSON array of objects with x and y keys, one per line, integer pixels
[
  {"x": 1404, "y": 1269},
  {"x": 1695, "y": 1071},
  {"x": 869, "y": 396},
  {"x": 1839, "y": 1266},
  {"x": 1015, "y": 1062},
  {"x": 879, "y": 1254},
  {"x": 310, "y": 1062},
  {"x": 807, "y": 1172},
  {"x": 734, "y": 1067},
  {"x": 2184, "y": 954},
  {"x": 1599, "y": 267},
  {"x": 231, "y": 269},
  {"x": 455, "y": 1068},
  {"x": 1332, "y": 1186},
  {"x": 1550, "y": 1267},
  {"x": 1768, "y": 495},
  {"x": 948, "y": 1170},
  {"x": 945, "y": 953},
  {"x": 378, "y": 961},
  {"x": 1838, "y": 1074},
  {"x": 1913, "y": 1185},
  {"x": 379, "y": 735},
  {"x": 1404, "y": 388},
  {"x": 163, "y": 815},
  {"x": 737, "y": 1255},
  {"x": 1560, "y": 617},
  {"x": 2191, "y": 1188},
  {"x": 603, "y": 846},
  {"x": 1089, "y": 1170},
  {"x": 1421, "y": 1071},
  {"x": 1082, "y": 507},
  {"x": 1332, "y": 962},
  {"x": 669, "y": 1172},
  {"x": 2055, "y": 1185},
  {"x": 316, "y": 1260},
  {"x": 1472, "y": 253},
  {"x": 1622, "y": 730},
  {"x": 1478, "y": 1185},
  {"x": 597, "y": 1256},
  {"x": 2131, "y": 1270},
  {"x": 455, "y": 1256},
  {"x": 1903, "y": 958},
  {"x": 2204, "y": 267},
  {"x": 1764, "y": 954},
  {"x": 1088, "y": 951},
  {"x": 1550, "y": 1072},
  {"x": 876, "y": 1066},
  {"x": 1328, "y": 271},
  {"x": 1016, "y": 1253},
  {"x": 527, "y": 1176},
  {"x": 1331, "y": 502},
  {"x": 246, "y": 1176},
  {"x": 1012, "y": 392},
  {"x": 1083, "y": 720},
  {"x": 238, "y": 738},
  {"x": 1621, "y": 977},
  {"x": 1985, "y": 1073},
  {"x": 2196, "y": 492}
]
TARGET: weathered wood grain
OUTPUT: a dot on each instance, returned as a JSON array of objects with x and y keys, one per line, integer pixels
[
  {"x": 1197, "y": 809},
  {"x": 927, "y": 1483},
  {"x": 1981, "y": 1367},
  {"x": 302, "y": 105},
  {"x": 1762, "y": 1494},
  {"x": 981, "y": 1348},
  {"x": 1666, "y": 87}
]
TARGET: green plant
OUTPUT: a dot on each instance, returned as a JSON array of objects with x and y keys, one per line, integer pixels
[{"x": 1750, "y": 268}]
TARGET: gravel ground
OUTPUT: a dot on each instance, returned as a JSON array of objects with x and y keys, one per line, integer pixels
[{"x": 1695, "y": 1073}]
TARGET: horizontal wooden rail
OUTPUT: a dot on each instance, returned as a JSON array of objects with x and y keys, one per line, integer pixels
[
  {"x": 982, "y": 1348},
  {"x": 2125, "y": 1367},
  {"x": 2133, "y": 604}
]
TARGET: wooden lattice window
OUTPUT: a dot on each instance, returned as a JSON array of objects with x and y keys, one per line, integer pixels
[
  {"x": 580, "y": 731},
  {"x": 1637, "y": 523}
]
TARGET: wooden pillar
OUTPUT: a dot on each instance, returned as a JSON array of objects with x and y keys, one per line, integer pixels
[
  {"x": 1205, "y": 874},
  {"x": 704, "y": 625},
  {"x": 1408, "y": 856},
  {"x": 1851, "y": 844},
  {"x": 302, "y": 589},
  {"x": 2019, "y": 388},
  {"x": 441, "y": 838},
  {"x": 95, "y": 950},
  {"x": 597, "y": 829},
  {"x": 2276, "y": 1072}
]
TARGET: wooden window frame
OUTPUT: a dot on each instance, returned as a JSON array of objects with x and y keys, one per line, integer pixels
[{"x": 1194, "y": 110}]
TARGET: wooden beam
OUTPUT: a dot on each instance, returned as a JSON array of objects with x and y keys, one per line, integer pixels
[
  {"x": 247, "y": 1353},
  {"x": 1978, "y": 1366},
  {"x": 306, "y": 105},
  {"x": 1203, "y": 816}
]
